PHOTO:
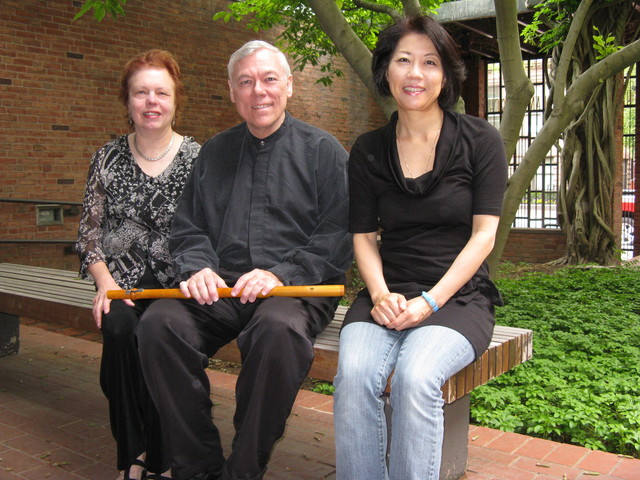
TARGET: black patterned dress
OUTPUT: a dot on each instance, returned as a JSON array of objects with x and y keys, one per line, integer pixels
[{"x": 125, "y": 223}]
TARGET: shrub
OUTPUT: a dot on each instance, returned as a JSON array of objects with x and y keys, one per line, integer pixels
[{"x": 582, "y": 385}]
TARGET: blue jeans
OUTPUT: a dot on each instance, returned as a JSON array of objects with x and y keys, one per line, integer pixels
[{"x": 422, "y": 359}]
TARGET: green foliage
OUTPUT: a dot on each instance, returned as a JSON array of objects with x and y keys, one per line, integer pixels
[
  {"x": 582, "y": 385},
  {"x": 604, "y": 46},
  {"x": 551, "y": 22},
  {"x": 324, "y": 388},
  {"x": 101, "y": 7},
  {"x": 550, "y": 25},
  {"x": 353, "y": 286},
  {"x": 301, "y": 37}
]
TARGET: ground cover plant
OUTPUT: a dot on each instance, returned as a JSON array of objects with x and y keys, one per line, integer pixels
[{"x": 583, "y": 384}]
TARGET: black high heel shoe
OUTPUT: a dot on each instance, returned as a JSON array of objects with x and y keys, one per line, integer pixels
[{"x": 140, "y": 463}]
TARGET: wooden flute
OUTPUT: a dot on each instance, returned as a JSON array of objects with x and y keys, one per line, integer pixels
[{"x": 286, "y": 291}]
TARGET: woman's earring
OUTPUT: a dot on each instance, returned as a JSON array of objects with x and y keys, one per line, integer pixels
[{"x": 130, "y": 119}]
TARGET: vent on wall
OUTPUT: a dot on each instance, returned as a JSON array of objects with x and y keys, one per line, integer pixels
[{"x": 49, "y": 215}]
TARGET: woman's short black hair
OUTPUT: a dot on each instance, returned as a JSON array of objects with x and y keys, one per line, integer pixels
[{"x": 454, "y": 69}]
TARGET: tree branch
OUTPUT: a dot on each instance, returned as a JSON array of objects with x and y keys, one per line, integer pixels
[
  {"x": 518, "y": 86},
  {"x": 349, "y": 45},
  {"x": 412, "y": 7},
  {"x": 519, "y": 91},
  {"x": 604, "y": 69},
  {"x": 567, "y": 51},
  {"x": 379, "y": 8}
]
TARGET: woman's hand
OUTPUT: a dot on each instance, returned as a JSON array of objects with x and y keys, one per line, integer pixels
[
  {"x": 387, "y": 307},
  {"x": 416, "y": 310},
  {"x": 101, "y": 304},
  {"x": 104, "y": 281}
]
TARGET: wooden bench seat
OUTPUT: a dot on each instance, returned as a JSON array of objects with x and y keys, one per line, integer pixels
[
  {"x": 59, "y": 296},
  {"x": 509, "y": 347}
]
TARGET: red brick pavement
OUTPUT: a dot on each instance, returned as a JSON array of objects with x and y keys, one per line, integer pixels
[{"x": 54, "y": 426}]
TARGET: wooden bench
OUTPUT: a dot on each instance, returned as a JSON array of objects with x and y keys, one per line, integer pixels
[
  {"x": 59, "y": 296},
  {"x": 45, "y": 294}
]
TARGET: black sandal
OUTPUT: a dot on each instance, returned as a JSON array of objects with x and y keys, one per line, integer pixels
[
  {"x": 157, "y": 476},
  {"x": 138, "y": 462}
]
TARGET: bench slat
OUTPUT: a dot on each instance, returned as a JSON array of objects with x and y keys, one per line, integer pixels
[{"x": 69, "y": 293}]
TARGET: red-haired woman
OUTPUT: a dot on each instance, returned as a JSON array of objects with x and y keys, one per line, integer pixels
[{"x": 132, "y": 189}]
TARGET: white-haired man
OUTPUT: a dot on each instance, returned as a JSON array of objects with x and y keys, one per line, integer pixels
[{"x": 266, "y": 206}]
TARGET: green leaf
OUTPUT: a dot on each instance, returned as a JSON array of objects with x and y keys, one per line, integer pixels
[
  {"x": 99, "y": 12},
  {"x": 85, "y": 8}
]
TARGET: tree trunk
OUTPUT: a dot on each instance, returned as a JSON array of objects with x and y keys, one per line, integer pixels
[
  {"x": 518, "y": 86},
  {"x": 573, "y": 104},
  {"x": 589, "y": 155},
  {"x": 558, "y": 120}
]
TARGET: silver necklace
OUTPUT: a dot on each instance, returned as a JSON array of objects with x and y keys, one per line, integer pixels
[
  {"x": 404, "y": 159},
  {"x": 151, "y": 159},
  {"x": 429, "y": 159}
]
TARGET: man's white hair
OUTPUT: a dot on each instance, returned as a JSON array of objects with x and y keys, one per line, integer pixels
[{"x": 252, "y": 47}]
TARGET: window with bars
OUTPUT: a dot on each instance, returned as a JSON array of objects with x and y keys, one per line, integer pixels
[{"x": 539, "y": 205}]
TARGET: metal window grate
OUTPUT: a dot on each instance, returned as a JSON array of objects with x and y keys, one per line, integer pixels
[{"x": 539, "y": 205}]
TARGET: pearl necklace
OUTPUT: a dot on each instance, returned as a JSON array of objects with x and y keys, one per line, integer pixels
[{"x": 152, "y": 159}]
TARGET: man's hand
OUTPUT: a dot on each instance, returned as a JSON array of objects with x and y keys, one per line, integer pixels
[
  {"x": 203, "y": 286},
  {"x": 254, "y": 283}
]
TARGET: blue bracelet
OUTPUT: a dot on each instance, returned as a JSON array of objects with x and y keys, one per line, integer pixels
[{"x": 430, "y": 300}]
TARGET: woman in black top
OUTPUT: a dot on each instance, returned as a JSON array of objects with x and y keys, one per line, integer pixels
[
  {"x": 431, "y": 183},
  {"x": 133, "y": 186}
]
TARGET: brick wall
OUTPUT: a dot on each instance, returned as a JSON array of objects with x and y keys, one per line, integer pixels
[
  {"x": 58, "y": 104},
  {"x": 58, "y": 99},
  {"x": 534, "y": 245}
]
